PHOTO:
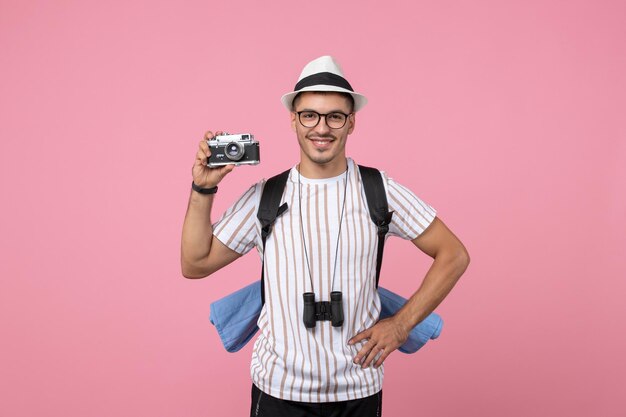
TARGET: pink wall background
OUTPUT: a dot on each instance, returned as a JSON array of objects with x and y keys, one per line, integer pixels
[{"x": 508, "y": 117}]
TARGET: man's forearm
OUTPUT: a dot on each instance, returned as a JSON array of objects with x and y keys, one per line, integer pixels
[
  {"x": 197, "y": 234},
  {"x": 443, "y": 274}
]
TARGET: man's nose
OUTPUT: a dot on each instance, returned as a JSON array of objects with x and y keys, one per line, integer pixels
[{"x": 322, "y": 126}]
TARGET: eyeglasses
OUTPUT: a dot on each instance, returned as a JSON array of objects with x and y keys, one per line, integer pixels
[{"x": 334, "y": 120}]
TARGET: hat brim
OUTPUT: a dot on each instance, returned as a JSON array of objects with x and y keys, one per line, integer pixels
[{"x": 359, "y": 99}]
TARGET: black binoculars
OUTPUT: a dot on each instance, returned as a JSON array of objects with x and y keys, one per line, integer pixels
[{"x": 322, "y": 310}]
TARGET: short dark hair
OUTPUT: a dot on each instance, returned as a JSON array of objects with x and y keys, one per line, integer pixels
[{"x": 347, "y": 96}]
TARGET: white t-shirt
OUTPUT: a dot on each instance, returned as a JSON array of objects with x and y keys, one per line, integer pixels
[{"x": 290, "y": 361}]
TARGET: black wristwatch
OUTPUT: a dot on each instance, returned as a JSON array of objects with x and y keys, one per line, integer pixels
[{"x": 201, "y": 190}]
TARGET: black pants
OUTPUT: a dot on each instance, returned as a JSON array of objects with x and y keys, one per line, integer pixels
[{"x": 264, "y": 405}]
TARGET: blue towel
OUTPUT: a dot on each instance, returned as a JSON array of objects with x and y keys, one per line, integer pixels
[
  {"x": 429, "y": 328},
  {"x": 235, "y": 318}
]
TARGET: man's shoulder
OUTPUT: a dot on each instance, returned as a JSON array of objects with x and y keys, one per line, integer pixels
[
  {"x": 258, "y": 187},
  {"x": 277, "y": 174}
]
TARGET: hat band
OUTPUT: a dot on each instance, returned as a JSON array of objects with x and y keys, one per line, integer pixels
[{"x": 325, "y": 78}]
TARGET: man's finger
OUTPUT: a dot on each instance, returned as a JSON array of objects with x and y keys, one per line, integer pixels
[
  {"x": 382, "y": 358},
  {"x": 226, "y": 169},
  {"x": 364, "y": 351},
  {"x": 371, "y": 356},
  {"x": 201, "y": 156},
  {"x": 365, "y": 334}
]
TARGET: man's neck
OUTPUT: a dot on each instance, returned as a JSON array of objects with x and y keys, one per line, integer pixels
[{"x": 312, "y": 170}]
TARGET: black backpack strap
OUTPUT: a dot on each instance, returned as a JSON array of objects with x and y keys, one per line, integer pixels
[
  {"x": 379, "y": 209},
  {"x": 269, "y": 210}
]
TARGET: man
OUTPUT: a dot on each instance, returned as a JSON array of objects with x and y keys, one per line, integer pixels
[{"x": 325, "y": 242}]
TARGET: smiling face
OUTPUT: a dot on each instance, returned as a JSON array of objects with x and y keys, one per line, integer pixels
[{"x": 322, "y": 149}]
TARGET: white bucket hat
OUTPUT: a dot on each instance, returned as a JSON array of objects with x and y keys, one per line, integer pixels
[{"x": 323, "y": 74}]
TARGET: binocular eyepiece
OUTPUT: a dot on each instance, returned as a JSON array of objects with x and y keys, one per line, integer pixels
[{"x": 322, "y": 310}]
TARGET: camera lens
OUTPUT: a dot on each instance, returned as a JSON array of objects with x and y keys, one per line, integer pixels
[{"x": 234, "y": 151}]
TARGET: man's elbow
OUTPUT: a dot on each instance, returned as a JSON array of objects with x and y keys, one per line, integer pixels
[
  {"x": 191, "y": 271},
  {"x": 462, "y": 259}
]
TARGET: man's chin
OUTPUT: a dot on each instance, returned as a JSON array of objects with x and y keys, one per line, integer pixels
[{"x": 322, "y": 158}]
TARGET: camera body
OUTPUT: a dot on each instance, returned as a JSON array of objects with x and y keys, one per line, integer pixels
[{"x": 239, "y": 149}]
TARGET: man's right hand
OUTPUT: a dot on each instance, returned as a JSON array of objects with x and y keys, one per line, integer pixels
[{"x": 203, "y": 176}]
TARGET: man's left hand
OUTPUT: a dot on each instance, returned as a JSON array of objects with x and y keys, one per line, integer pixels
[{"x": 383, "y": 338}]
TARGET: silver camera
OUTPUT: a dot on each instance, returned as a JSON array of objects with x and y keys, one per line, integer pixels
[{"x": 239, "y": 149}]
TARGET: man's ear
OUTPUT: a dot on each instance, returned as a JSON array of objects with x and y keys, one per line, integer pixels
[
  {"x": 351, "y": 122},
  {"x": 293, "y": 121}
]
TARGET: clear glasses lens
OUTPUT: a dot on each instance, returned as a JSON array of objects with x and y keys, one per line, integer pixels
[
  {"x": 333, "y": 120},
  {"x": 309, "y": 118}
]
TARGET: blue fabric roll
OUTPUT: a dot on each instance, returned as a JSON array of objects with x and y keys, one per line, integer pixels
[
  {"x": 235, "y": 318},
  {"x": 429, "y": 328}
]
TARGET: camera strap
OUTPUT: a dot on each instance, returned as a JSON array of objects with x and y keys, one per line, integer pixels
[{"x": 270, "y": 209}]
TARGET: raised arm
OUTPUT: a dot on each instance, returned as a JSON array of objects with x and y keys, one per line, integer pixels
[{"x": 202, "y": 253}]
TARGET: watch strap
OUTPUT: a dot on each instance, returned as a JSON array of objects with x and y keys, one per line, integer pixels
[{"x": 201, "y": 190}]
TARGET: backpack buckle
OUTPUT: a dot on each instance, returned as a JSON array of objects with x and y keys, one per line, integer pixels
[{"x": 383, "y": 226}]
